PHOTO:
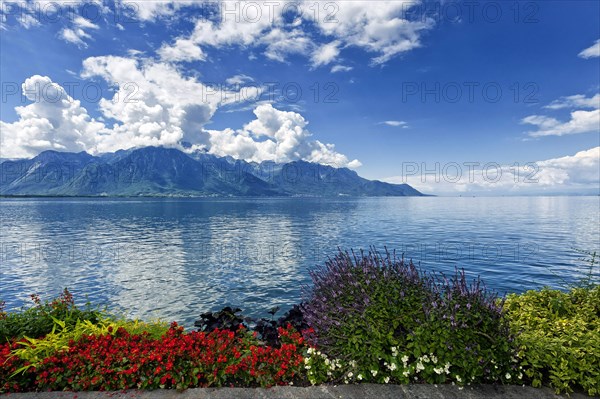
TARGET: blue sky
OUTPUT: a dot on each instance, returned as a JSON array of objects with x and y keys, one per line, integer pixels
[{"x": 396, "y": 87}]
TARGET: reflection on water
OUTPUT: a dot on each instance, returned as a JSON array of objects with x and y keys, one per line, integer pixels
[{"x": 176, "y": 258}]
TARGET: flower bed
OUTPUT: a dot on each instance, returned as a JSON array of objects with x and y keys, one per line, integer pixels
[
  {"x": 366, "y": 318},
  {"x": 120, "y": 360}
]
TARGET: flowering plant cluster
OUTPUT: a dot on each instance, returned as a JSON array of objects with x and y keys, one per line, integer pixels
[
  {"x": 369, "y": 309},
  {"x": 367, "y": 318},
  {"x": 176, "y": 360},
  {"x": 319, "y": 368}
]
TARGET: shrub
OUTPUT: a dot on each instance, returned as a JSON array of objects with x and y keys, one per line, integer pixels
[
  {"x": 38, "y": 320},
  {"x": 386, "y": 321},
  {"x": 558, "y": 337},
  {"x": 466, "y": 332}
]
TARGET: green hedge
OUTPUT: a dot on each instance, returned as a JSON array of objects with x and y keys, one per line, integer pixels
[{"x": 558, "y": 337}]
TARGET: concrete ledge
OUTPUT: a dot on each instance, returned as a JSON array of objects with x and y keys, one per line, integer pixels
[{"x": 361, "y": 391}]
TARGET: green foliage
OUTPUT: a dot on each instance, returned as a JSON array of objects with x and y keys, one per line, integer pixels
[
  {"x": 558, "y": 337},
  {"x": 38, "y": 320}
]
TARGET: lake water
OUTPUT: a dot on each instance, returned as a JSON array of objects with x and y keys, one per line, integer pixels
[{"x": 177, "y": 258}]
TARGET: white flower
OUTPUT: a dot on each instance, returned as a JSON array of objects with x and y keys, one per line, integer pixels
[
  {"x": 434, "y": 359},
  {"x": 420, "y": 367},
  {"x": 392, "y": 366},
  {"x": 426, "y": 358},
  {"x": 307, "y": 367},
  {"x": 447, "y": 368},
  {"x": 404, "y": 359},
  {"x": 405, "y": 373},
  {"x": 306, "y": 360},
  {"x": 438, "y": 370},
  {"x": 374, "y": 372},
  {"x": 507, "y": 376},
  {"x": 386, "y": 379},
  {"x": 394, "y": 349},
  {"x": 458, "y": 379},
  {"x": 359, "y": 377},
  {"x": 520, "y": 375},
  {"x": 350, "y": 374},
  {"x": 310, "y": 351}
]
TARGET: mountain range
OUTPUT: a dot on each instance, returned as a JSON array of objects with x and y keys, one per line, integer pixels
[{"x": 158, "y": 171}]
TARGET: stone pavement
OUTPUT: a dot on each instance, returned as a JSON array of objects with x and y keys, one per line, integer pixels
[{"x": 361, "y": 391}]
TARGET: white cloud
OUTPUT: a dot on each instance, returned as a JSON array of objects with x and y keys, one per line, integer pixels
[
  {"x": 378, "y": 27},
  {"x": 340, "y": 68},
  {"x": 572, "y": 173},
  {"x": 77, "y": 34},
  {"x": 182, "y": 50},
  {"x": 375, "y": 26},
  {"x": 275, "y": 135},
  {"x": 395, "y": 124},
  {"x": 54, "y": 121},
  {"x": 83, "y": 23},
  {"x": 155, "y": 105},
  {"x": 581, "y": 121},
  {"x": 319, "y": 30},
  {"x": 281, "y": 43},
  {"x": 156, "y": 9},
  {"x": 325, "y": 54},
  {"x": 591, "y": 52},
  {"x": 239, "y": 79},
  {"x": 28, "y": 21},
  {"x": 575, "y": 101}
]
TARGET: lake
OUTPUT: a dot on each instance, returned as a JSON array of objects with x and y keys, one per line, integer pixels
[{"x": 177, "y": 258}]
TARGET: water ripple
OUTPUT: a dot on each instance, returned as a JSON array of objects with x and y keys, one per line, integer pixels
[{"x": 174, "y": 259}]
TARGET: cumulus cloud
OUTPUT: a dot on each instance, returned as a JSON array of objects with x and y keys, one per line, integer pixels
[
  {"x": 155, "y": 105},
  {"x": 581, "y": 121},
  {"x": 54, "y": 121},
  {"x": 275, "y": 135},
  {"x": 571, "y": 173},
  {"x": 591, "y": 52}
]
